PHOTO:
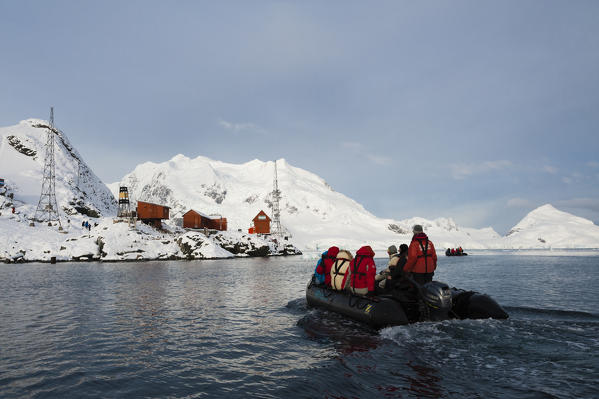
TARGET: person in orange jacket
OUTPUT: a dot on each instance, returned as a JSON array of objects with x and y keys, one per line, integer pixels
[{"x": 422, "y": 258}]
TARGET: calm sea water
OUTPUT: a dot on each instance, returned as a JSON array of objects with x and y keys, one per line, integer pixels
[{"x": 240, "y": 328}]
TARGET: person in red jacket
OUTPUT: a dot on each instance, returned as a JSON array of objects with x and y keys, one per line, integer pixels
[
  {"x": 362, "y": 272},
  {"x": 322, "y": 273},
  {"x": 422, "y": 258},
  {"x": 328, "y": 264}
]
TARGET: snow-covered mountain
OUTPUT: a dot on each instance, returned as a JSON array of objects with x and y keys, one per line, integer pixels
[
  {"x": 547, "y": 226},
  {"x": 317, "y": 216},
  {"x": 78, "y": 189},
  {"x": 314, "y": 214},
  {"x": 310, "y": 209}
]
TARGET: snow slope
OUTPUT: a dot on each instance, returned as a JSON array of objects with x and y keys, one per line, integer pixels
[
  {"x": 78, "y": 189},
  {"x": 313, "y": 213},
  {"x": 317, "y": 216},
  {"x": 548, "y": 227}
]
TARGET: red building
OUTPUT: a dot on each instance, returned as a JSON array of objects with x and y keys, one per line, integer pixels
[
  {"x": 197, "y": 220},
  {"x": 152, "y": 214},
  {"x": 261, "y": 224}
]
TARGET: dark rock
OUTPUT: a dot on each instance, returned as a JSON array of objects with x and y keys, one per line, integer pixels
[{"x": 20, "y": 147}]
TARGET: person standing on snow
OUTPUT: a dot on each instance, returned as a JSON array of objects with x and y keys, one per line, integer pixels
[{"x": 422, "y": 258}]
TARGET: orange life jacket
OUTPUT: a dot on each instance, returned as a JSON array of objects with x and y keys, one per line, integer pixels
[{"x": 422, "y": 257}]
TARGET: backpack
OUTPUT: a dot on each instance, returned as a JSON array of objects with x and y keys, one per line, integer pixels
[
  {"x": 319, "y": 277},
  {"x": 340, "y": 271}
]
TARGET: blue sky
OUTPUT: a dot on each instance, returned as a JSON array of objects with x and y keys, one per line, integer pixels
[{"x": 475, "y": 110}]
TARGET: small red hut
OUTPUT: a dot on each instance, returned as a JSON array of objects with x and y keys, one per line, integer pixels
[
  {"x": 196, "y": 220},
  {"x": 261, "y": 223},
  {"x": 152, "y": 214}
]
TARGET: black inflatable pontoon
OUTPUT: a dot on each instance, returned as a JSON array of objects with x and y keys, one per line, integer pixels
[{"x": 433, "y": 301}]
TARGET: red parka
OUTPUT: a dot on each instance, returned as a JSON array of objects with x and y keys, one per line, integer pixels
[
  {"x": 328, "y": 261},
  {"x": 362, "y": 269},
  {"x": 422, "y": 257}
]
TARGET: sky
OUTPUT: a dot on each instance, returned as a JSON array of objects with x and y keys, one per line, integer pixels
[{"x": 475, "y": 110}]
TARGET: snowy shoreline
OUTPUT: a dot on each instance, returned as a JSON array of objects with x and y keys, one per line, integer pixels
[
  {"x": 93, "y": 260},
  {"x": 315, "y": 255},
  {"x": 114, "y": 241}
]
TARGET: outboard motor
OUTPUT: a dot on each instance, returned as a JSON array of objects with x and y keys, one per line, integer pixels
[{"x": 436, "y": 298}]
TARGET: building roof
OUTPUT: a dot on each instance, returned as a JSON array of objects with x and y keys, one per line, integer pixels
[
  {"x": 151, "y": 203},
  {"x": 204, "y": 215},
  {"x": 261, "y": 213}
]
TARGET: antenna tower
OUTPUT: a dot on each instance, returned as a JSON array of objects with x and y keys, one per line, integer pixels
[
  {"x": 47, "y": 209},
  {"x": 276, "y": 213}
]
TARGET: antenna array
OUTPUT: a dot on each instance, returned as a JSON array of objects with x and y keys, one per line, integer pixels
[
  {"x": 276, "y": 213},
  {"x": 47, "y": 208}
]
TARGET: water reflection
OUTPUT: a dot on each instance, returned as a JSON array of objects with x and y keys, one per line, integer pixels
[
  {"x": 426, "y": 382},
  {"x": 346, "y": 335}
]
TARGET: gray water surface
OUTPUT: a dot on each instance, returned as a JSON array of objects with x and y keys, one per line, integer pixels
[{"x": 241, "y": 328}]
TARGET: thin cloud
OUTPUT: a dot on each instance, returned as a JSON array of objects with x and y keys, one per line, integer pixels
[
  {"x": 593, "y": 164},
  {"x": 550, "y": 169},
  {"x": 580, "y": 203},
  {"x": 246, "y": 127},
  {"x": 379, "y": 159},
  {"x": 520, "y": 203},
  {"x": 374, "y": 158},
  {"x": 573, "y": 178},
  {"x": 351, "y": 145},
  {"x": 463, "y": 170}
]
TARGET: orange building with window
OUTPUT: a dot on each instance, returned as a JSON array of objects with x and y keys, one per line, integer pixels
[{"x": 261, "y": 224}]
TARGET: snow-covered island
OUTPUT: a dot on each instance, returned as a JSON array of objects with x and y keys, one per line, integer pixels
[
  {"x": 314, "y": 215},
  {"x": 82, "y": 197}
]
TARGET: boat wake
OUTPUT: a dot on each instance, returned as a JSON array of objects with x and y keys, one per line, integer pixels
[{"x": 553, "y": 314}]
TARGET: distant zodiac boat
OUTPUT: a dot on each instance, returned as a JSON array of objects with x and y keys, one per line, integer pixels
[
  {"x": 433, "y": 301},
  {"x": 449, "y": 252}
]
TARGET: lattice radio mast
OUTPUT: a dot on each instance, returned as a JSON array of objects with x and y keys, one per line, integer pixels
[
  {"x": 47, "y": 208},
  {"x": 276, "y": 213}
]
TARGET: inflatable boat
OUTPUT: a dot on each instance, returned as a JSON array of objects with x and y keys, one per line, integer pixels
[
  {"x": 448, "y": 253},
  {"x": 433, "y": 301}
]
